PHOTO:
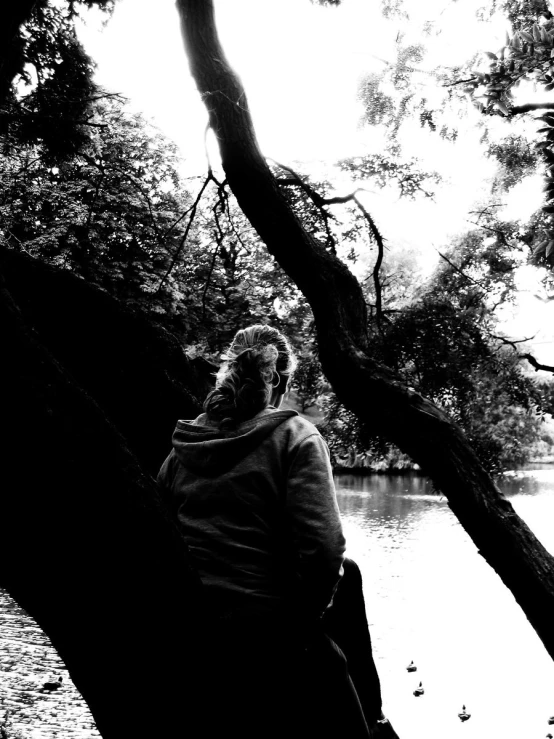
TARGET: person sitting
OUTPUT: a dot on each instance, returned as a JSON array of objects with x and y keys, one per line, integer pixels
[{"x": 252, "y": 487}]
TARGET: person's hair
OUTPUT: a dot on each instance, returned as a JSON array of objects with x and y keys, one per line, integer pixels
[{"x": 258, "y": 360}]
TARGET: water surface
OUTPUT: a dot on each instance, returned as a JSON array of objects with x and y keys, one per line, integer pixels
[{"x": 432, "y": 598}]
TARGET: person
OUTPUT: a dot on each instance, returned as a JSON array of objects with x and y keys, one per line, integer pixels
[{"x": 251, "y": 485}]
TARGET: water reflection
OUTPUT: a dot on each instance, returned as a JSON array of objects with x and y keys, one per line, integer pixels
[
  {"x": 27, "y": 661},
  {"x": 431, "y": 598}
]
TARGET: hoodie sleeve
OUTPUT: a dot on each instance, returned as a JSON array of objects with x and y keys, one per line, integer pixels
[
  {"x": 165, "y": 478},
  {"x": 314, "y": 521}
]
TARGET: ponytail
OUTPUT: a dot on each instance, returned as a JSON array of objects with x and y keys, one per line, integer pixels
[{"x": 257, "y": 361}]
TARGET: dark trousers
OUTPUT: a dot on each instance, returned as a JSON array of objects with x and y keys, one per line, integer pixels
[
  {"x": 346, "y": 624},
  {"x": 276, "y": 680}
]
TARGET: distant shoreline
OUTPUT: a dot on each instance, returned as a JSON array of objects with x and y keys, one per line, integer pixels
[{"x": 415, "y": 471}]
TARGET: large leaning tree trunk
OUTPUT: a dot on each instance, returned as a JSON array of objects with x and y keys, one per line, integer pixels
[
  {"x": 85, "y": 547},
  {"x": 364, "y": 386}
]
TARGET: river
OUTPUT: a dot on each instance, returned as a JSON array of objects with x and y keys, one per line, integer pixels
[{"x": 431, "y": 599}]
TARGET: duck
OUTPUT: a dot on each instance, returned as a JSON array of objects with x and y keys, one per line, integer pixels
[
  {"x": 53, "y": 684},
  {"x": 464, "y": 715},
  {"x": 411, "y": 667},
  {"x": 419, "y": 690}
]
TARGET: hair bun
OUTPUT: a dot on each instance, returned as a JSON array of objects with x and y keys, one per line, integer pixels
[{"x": 246, "y": 379}]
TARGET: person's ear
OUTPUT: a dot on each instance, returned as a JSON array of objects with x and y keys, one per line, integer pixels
[{"x": 282, "y": 387}]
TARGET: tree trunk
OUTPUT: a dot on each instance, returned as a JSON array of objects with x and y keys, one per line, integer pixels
[
  {"x": 85, "y": 547},
  {"x": 364, "y": 386}
]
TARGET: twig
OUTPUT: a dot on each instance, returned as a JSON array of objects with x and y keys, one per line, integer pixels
[
  {"x": 461, "y": 272},
  {"x": 182, "y": 243},
  {"x": 219, "y": 240},
  {"x": 318, "y": 200}
]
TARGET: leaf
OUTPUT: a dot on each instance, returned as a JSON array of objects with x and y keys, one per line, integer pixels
[
  {"x": 502, "y": 107},
  {"x": 526, "y": 36},
  {"x": 549, "y": 249},
  {"x": 490, "y": 55},
  {"x": 545, "y": 129},
  {"x": 548, "y": 209},
  {"x": 536, "y": 34},
  {"x": 539, "y": 248}
]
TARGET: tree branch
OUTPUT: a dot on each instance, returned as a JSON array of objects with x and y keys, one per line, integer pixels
[
  {"x": 529, "y": 357},
  {"x": 529, "y": 107},
  {"x": 318, "y": 200},
  {"x": 459, "y": 271},
  {"x": 192, "y": 211},
  {"x": 378, "y": 262}
]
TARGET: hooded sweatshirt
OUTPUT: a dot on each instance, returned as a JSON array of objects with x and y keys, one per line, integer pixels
[{"x": 258, "y": 510}]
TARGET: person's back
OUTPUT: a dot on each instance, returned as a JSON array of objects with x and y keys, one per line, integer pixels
[{"x": 258, "y": 511}]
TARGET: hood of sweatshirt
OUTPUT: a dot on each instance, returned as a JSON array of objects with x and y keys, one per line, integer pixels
[{"x": 209, "y": 451}]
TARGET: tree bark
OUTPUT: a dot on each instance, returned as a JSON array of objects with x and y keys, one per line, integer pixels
[
  {"x": 364, "y": 386},
  {"x": 85, "y": 546}
]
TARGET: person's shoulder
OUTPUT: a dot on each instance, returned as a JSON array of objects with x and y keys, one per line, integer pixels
[{"x": 300, "y": 428}]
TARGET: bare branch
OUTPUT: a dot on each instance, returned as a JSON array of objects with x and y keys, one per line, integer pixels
[
  {"x": 219, "y": 239},
  {"x": 378, "y": 262},
  {"x": 460, "y": 271},
  {"x": 320, "y": 201},
  {"x": 537, "y": 365},
  {"x": 182, "y": 243},
  {"x": 529, "y": 357}
]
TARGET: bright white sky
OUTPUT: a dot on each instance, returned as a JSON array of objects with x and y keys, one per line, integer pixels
[{"x": 301, "y": 65}]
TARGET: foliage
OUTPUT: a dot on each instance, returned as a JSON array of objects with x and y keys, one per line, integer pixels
[
  {"x": 527, "y": 56},
  {"x": 390, "y": 170},
  {"x": 353, "y": 446},
  {"x": 517, "y": 158},
  {"x": 119, "y": 214},
  {"x": 51, "y": 88},
  {"x": 108, "y": 201},
  {"x": 403, "y": 92},
  {"x": 442, "y": 341}
]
